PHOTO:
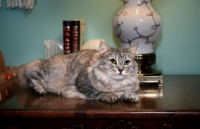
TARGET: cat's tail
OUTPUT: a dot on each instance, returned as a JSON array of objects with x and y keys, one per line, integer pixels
[{"x": 22, "y": 80}]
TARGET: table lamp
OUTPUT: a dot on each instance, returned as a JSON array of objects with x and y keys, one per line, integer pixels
[{"x": 138, "y": 23}]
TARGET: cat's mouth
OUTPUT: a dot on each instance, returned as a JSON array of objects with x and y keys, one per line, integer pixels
[{"x": 120, "y": 74}]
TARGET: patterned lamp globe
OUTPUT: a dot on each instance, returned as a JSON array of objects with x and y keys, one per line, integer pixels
[{"x": 138, "y": 23}]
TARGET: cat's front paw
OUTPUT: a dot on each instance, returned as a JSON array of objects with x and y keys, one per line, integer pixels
[
  {"x": 132, "y": 97},
  {"x": 108, "y": 97}
]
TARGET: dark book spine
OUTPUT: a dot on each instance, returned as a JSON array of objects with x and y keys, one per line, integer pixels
[
  {"x": 67, "y": 37},
  {"x": 75, "y": 36}
]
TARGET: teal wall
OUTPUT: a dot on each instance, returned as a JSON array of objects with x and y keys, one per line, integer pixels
[{"x": 22, "y": 34}]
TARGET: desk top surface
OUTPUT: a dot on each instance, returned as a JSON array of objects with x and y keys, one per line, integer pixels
[{"x": 178, "y": 93}]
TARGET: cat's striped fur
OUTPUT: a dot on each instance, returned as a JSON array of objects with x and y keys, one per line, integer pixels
[{"x": 107, "y": 75}]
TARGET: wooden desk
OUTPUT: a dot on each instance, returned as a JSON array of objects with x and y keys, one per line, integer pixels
[{"x": 177, "y": 107}]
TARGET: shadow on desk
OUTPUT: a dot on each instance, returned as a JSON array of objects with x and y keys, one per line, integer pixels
[
  {"x": 49, "y": 101},
  {"x": 29, "y": 100}
]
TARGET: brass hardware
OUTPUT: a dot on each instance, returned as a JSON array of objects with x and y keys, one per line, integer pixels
[{"x": 144, "y": 64}]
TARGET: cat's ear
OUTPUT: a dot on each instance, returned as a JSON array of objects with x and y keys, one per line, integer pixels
[
  {"x": 133, "y": 49},
  {"x": 103, "y": 47}
]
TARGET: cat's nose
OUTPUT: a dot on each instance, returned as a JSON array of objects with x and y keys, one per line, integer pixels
[{"x": 120, "y": 70}]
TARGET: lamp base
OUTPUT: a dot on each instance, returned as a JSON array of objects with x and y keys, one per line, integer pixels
[
  {"x": 146, "y": 74},
  {"x": 151, "y": 80},
  {"x": 144, "y": 64}
]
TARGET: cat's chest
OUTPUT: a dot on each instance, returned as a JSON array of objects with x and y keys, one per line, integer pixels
[
  {"x": 114, "y": 86},
  {"x": 119, "y": 94}
]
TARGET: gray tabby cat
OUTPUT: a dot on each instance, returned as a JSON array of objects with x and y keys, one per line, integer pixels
[{"x": 107, "y": 75}]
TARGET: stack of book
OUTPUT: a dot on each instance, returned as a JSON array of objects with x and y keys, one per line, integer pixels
[{"x": 73, "y": 35}]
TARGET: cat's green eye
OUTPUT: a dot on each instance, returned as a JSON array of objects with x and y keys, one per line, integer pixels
[
  {"x": 127, "y": 62},
  {"x": 113, "y": 61}
]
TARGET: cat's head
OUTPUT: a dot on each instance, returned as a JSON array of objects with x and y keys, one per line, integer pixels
[{"x": 118, "y": 63}]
